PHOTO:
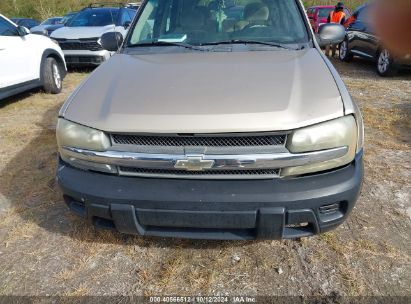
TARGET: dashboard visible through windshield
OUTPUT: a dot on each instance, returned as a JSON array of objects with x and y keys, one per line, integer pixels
[{"x": 209, "y": 22}]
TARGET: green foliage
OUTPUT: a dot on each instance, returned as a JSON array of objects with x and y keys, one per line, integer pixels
[{"x": 42, "y": 9}]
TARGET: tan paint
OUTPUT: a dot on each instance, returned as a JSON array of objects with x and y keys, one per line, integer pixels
[{"x": 207, "y": 92}]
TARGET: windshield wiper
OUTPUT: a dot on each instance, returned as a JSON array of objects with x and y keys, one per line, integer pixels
[
  {"x": 168, "y": 43},
  {"x": 240, "y": 41}
]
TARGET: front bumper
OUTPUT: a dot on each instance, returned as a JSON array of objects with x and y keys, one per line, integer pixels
[
  {"x": 214, "y": 209},
  {"x": 85, "y": 57}
]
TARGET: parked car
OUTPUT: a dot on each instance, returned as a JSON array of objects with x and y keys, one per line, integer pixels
[
  {"x": 28, "y": 61},
  {"x": 51, "y": 28},
  {"x": 362, "y": 41},
  {"x": 318, "y": 15},
  {"x": 67, "y": 17},
  {"x": 42, "y": 27},
  {"x": 133, "y": 5},
  {"x": 79, "y": 39},
  {"x": 26, "y": 22},
  {"x": 198, "y": 130}
]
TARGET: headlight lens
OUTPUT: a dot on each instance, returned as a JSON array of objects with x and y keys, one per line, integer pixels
[
  {"x": 342, "y": 132},
  {"x": 73, "y": 135},
  {"x": 70, "y": 134}
]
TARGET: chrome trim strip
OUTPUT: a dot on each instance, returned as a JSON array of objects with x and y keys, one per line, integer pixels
[
  {"x": 356, "y": 52},
  {"x": 168, "y": 161}
]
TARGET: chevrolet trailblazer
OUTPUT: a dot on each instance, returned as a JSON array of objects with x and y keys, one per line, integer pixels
[{"x": 208, "y": 123}]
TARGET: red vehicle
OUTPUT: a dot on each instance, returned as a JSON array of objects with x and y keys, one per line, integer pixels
[{"x": 318, "y": 15}]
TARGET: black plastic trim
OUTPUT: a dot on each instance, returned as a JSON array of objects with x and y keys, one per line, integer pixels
[{"x": 214, "y": 209}]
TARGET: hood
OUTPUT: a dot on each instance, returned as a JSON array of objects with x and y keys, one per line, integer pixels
[
  {"x": 199, "y": 92},
  {"x": 80, "y": 32}
]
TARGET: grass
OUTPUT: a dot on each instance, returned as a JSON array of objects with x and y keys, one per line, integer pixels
[
  {"x": 392, "y": 123},
  {"x": 333, "y": 243},
  {"x": 48, "y": 249}
]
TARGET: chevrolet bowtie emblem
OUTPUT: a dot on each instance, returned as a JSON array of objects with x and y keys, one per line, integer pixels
[{"x": 194, "y": 163}]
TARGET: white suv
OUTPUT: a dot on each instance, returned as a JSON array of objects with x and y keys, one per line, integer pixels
[
  {"x": 28, "y": 61},
  {"x": 79, "y": 39}
]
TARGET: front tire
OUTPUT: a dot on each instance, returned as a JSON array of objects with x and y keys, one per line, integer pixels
[
  {"x": 51, "y": 75},
  {"x": 344, "y": 53},
  {"x": 385, "y": 64}
]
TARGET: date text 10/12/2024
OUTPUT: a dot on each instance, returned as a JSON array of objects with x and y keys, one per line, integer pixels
[{"x": 202, "y": 299}]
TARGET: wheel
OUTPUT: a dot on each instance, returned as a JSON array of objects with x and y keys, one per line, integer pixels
[
  {"x": 51, "y": 76},
  {"x": 344, "y": 53},
  {"x": 385, "y": 64}
]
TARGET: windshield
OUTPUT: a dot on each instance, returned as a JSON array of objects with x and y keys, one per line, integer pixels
[
  {"x": 66, "y": 19},
  {"x": 202, "y": 22},
  {"x": 51, "y": 21},
  {"x": 94, "y": 17},
  {"x": 324, "y": 12}
]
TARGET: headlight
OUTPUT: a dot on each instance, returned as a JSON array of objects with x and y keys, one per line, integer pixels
[
  {"x": 342, "y": 132},
  {"x": 72, "y": 135}
]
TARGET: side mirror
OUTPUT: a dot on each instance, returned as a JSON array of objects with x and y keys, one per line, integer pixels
[
  {"x": 111, "y": 41},
  {"x": 330, "y": 33},
  {"x": 127, "y": 24},
  {"x": 22, "y": 31}
]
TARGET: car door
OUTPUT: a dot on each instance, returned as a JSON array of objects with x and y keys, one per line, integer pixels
[
  {"x": 14, "y": 56},
  {"x": 358, "y": 33},
  {"x": 369, "y": 42}
]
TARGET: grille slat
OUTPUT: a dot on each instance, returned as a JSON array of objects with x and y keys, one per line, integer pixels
[
  {"x": 248, "y": 172},
  {"x": 90, "y": 45},
  {"x": 200, "y": 141},
  {"x": 212, "y": 144}
]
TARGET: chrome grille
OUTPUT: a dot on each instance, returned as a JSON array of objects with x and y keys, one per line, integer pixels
[
  {"x": 265, "y": 173},
  {"x": 200, "y": 141}
]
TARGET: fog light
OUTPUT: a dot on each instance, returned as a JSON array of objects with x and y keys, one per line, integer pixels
[{"x": 330, "y": 208}]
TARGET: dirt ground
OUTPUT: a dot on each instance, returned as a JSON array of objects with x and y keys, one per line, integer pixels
[{"x": 44, "y": 250}]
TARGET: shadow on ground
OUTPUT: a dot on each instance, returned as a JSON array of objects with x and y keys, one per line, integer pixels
[{"x": 18, "y": 97}]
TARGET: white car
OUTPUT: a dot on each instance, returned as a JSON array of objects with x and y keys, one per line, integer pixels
[
  {"x": 28, "y": 61},
  {"x": 79, "y": 39}
]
